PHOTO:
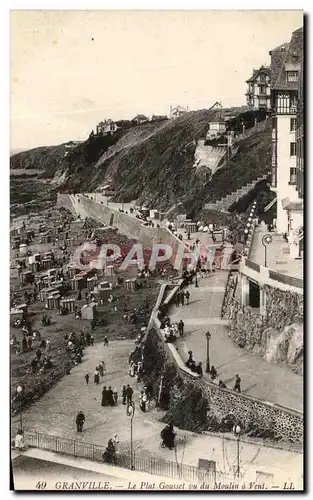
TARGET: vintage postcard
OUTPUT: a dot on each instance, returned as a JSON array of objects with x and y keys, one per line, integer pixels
[{"x": 156, "y": 250}]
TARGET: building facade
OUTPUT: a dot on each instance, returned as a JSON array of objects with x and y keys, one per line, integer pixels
[
  {"x": 216, "y": 129},
  {"x": 178, "y": 111},
  {"x": 107, "y": 127},
  {"x": 258, "y": 95},
  {"x": 287, "y": 137}
]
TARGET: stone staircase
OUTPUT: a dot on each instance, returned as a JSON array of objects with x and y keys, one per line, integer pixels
[{"x": 224, "y": 203}]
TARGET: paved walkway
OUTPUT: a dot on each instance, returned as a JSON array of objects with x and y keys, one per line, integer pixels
[
  {"x": 271, "y": 382},
  {"x": 278, "y": 257}
]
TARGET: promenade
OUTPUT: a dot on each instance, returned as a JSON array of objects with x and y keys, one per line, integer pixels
[
  {"x": 275, "y": 383},
  {"x": 55, "y": 412}
]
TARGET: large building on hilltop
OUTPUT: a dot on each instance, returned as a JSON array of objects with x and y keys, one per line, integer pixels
[
  {"x": 287, "y": 138},
  {"x": 258, "y": 94},
  {"x": 107, "y": 127}
]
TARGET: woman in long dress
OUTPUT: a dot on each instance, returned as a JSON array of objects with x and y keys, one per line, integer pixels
[
  {"x": 104, "y": 401},
  {"x": 97, "y": 376}
]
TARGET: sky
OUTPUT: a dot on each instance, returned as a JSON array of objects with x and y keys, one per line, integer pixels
[{"x": 72, "y": 69}]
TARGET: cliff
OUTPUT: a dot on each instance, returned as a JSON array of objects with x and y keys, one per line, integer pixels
[{"x": 153, "y": 163}]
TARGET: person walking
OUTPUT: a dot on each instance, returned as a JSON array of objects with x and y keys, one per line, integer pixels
[
  {"x": 129, "y": 394},
  {"x": 106, "y": 342},
  {"x": 178, "y": 298},
  {"x": 237, "y": 386},
  {"x": 92, "y": 339},
  {"x": 182, "y": 298},
  {"x": 115, "y": 395},
  {"x": 213, "y": 372},
  {"x": 104, "y": 400},
  {"x": 87, "y": 378},
  {"x": 187, "y": 295},
  {"x": 110, "y": 396},
  {"x": 96, "y": 376},
  {"x": 80, "y": 420},
  {"x": 143, "y": 401},
  {"x": 124, "y": 395},
  {"x": 181, "y": 326}
]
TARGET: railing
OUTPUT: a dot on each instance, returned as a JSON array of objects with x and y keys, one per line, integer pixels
[
  {"x": 287, "y": 280},
  {"x": 147, "y": 464}
]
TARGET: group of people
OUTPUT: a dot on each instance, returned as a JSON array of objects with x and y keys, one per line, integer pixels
[
  {"x": 172, "y": 330},
  {"x": 193, "y": 366},
  {"x": 136, "y": 370},
  {"x": 146, "y": 396},
  {"x": 181, "y": 296},
  {"x": 99, "y": 372}
]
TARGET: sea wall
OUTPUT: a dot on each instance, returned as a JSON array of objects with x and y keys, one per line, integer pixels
[
  {"x": 126, "y": 224},
  {"x": 270, "y": 419}
]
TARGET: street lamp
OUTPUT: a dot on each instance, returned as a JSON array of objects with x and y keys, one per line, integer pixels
[
  {"x": 208, "y": 336},
  {"x": 266, "y": 240},
  {"x": 19, "y": 391},
  {"x": 237, "y": 431},
  {"x": 130, "y": 412}
]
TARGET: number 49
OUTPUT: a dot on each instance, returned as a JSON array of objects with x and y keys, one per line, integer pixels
[{"x": 41, "y": 485}]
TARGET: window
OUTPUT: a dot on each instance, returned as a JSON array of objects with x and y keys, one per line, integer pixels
[
  {"x": 262, "y": 100},
  {"x": 262, "y": 78},
  {"x": 293, "y": 124},
  {"x": 262, "y": 89},
  {"x": 292, "y": 149},
  {"x": 292, "y": 76},
  {"x": 292, "y": 175}
]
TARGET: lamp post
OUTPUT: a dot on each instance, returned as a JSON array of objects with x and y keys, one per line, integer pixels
[
  {"x": 196, "y": 282},
  {"x": 19, "y": 391},
  {"x": 266, "y": 240},
  {"x": 237, "y": 431},
  {"x": 208, "y": 336},
  {"x": 130, "y": 412}
]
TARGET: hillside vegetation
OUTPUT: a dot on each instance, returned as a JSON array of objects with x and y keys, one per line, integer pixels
[{"x": 152, "y": 163}]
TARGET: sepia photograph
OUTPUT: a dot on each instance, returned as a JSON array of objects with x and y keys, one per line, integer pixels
[{"x": 156, "y": 250}]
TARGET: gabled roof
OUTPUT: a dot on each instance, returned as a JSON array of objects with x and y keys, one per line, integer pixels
[
  {"x": 289, "y": 54},
  {"x": 257, "y": 72},
  {"x": 141, "y": 117},
  {"x": 179, "y": 108}
]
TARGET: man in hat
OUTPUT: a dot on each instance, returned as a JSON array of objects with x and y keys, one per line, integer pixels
[{"x": 80, "y": 420}]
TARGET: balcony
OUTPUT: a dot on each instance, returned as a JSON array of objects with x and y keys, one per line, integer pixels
[
  {"x": 291, "y": 110},
  {"x": 299, "y": 132}
]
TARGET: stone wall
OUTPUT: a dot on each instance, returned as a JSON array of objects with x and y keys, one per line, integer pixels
[
  {"x": 271, "y": 420},
  {"x": 126, "y": 224},
  {"x": 277, "y": 336}
]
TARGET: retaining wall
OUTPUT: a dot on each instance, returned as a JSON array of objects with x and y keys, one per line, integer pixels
[
  {"x": 126, "y": 224},
  {"x": 287, "y": 424}
]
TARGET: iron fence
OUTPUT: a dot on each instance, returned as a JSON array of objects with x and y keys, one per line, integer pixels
[{"x": 150, "y": 465}]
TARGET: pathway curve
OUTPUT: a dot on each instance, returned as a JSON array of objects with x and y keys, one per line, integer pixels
[
  {"x": 56, "y": 410},
  {"x": 271, "y": 382}
]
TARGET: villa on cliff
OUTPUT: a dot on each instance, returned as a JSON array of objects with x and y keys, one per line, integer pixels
[
  {"x": 258, "y": 95},
  {"x": 106, "y": 127}
]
